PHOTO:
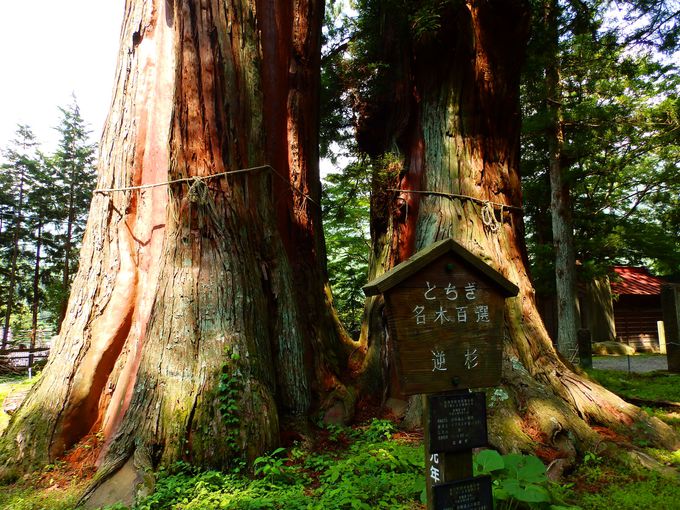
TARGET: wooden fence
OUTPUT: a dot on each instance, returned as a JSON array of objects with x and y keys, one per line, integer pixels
[{"x": 18, "y": 357}]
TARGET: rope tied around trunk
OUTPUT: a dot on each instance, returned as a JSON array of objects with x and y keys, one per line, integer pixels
[
  {"x": 489, "y": 217},
  {"x": 198, "y": 190},
  {"x": 488, "y": 208}
]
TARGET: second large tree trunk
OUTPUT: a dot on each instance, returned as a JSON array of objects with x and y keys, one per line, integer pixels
[
  {"x": 445, "y": 133},
  {"x": 198, "y": 321}
]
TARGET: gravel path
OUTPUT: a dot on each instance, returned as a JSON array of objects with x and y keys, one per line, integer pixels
[{"x": 637, "y": 363}]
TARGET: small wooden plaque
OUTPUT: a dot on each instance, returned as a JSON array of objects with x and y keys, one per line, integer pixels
[
  {"x": 470, "y": 494},
  {"x": 457, "y": 422}
]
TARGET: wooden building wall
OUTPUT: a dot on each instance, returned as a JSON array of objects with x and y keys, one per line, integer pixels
[{"x": 636, "y": 321}]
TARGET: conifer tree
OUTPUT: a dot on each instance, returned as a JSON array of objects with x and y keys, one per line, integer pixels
[
  {"x": 597, "y": 135},
  {"x": 74, "y": 179},
  {"x": 199, "y": 322},
  {"x": 42, "y": 224},
  {"x": 22, "y": 162},
  {"x": 346, "y": 229},
  {"x": 440, "y": 114}
]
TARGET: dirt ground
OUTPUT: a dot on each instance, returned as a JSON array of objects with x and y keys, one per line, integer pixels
[{"x": 639, "y": 363}]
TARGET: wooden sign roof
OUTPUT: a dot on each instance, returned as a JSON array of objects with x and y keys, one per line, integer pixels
[{"x": 421, "y": 259}]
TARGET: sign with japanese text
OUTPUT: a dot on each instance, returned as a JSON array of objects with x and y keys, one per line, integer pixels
[
  {"x": 457, "y": 422},
  {"x": 446, "y": 321},
  {"x": 470, "y": 494}
]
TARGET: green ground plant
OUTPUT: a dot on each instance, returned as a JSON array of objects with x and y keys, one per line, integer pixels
[
  {"x": 359, "y": 468},
  {"x": 519, "y": 481},
  {"x": 622, "y": 485},
  {"x": 369, "y": 472}
]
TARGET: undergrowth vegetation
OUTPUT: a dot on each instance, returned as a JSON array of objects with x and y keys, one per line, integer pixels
[
  {"x": 374, "y": 466},
  {"x": 616, "y": 484},
  {"x": 359, "y": 468}
]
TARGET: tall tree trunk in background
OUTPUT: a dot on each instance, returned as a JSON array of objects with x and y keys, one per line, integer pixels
[
  {"x": 598, "y": 310},
  {"x": 448, "y": 122},
  {"x": 14, "y": 257},
  {"x": 560, "y": 195},
  {"x": 35, "y": 305},
  {"x": 188, "y": 292},
  {"x": 68, "y": 247}
]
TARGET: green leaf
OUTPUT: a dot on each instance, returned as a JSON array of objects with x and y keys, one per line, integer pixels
[
  {"x": 488, "y": 461},
  {"x": 531, "y": 494},
  {"x": 532, "y": 471},
  {"x": 500, "y": 494},
  {"x": 513, "y": 461}
]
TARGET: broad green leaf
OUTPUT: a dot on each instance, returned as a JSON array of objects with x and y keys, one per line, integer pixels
[
  {"x": 488, "y": 461},
  {"x": 500, "y": 494},
  {"x": 512, "y": 462},
  {"x": 532, "y": 470},
  {"x": 532, "y": 494}
]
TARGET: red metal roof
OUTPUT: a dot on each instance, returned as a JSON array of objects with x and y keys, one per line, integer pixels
[{"x": 635, "y": 280}]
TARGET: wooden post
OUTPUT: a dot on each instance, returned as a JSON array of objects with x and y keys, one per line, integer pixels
[
  {"x": 661, "y": 331},
  {"x": 670, "y": 303},
  {"x": 454, "y": 424},
  {"x": 585, "y": 348}
]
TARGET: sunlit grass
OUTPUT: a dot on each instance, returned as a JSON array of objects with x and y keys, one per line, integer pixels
[
  {"x": 8, "y": 384},
  {"x": 648, "y": 386},
  {"x": 26, "y": 496},
  {"x": 612, "y": 484}
]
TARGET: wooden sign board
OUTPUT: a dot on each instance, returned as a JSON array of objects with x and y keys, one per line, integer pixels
[
  {"x": 457, "y": 422},
  {"x": 444, "y": 310},
  {"x": 470, "y": 494}
]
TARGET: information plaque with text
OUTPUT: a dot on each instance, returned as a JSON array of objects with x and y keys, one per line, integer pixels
[
  {"x": 457, "y": 422},
  {"x": 470, "y": 494}
]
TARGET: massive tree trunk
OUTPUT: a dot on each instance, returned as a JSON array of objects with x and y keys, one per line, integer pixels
[
  {"x": 445, "y": 132},
  {"x": 199, "y": 320}
]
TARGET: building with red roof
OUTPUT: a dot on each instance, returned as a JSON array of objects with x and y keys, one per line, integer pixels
[
  {"x": 635, "y": 281},
  {"x": 637, "y": 307},
  {"x": 624, "y": 307}
]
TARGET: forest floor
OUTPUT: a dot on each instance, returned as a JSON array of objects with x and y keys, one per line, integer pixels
[{"x": 374, "y": 465}]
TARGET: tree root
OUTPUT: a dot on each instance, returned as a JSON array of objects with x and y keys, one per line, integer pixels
[{"x": 561, "y": 414}]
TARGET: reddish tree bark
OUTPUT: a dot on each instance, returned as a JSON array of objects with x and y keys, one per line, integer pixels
[{"x": 188, "y": 291}]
